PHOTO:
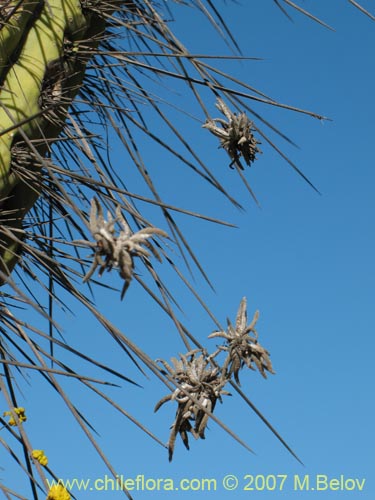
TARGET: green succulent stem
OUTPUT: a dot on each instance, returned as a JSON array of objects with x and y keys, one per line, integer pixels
[{"x": 40, "y": 44}]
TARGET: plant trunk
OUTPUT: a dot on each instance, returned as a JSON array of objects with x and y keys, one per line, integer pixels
[{"x": 44, "y": 49}]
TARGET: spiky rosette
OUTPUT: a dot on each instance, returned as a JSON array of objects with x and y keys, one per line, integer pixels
[
  {"x": 112, "y": 250},
  {"x": 242, "y": 346},
  {"x": 199, "y": 388},
  {"x": 235, "y": 135}
]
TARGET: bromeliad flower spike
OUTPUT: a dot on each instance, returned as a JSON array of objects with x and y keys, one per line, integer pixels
[{"x": 242, "y": 346}]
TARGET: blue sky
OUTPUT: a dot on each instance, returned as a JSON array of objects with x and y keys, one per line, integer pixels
[{"x": 305, "y": 260}]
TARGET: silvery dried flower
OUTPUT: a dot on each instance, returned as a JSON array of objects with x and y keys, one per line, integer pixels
[
  {"x": 235, "y": 135},
  {"x": 112, "y": 250},
  {"x": 197, "y": 378},
  {"x": 242, "y": 346}
]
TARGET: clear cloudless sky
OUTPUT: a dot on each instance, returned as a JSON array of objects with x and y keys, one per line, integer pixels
[{"x": 305, "y": 260}]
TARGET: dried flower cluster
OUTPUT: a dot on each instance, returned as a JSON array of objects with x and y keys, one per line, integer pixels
[
  {"x": 242, "y": 346},
  {"x": 235, "y": 134},
  {"x": 199, "y": 387},
  {"x": 200, "y": 380},
  {"x": 113, "y": 250}
]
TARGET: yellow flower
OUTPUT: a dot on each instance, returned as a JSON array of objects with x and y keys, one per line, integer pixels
[
  {"x": 58, "y": 492},
  {"x": 20, "y": 412},
  {"x": 40, "y": 456}
]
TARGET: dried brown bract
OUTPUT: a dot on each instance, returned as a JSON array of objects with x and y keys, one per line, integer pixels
[
  {"x": 242, "y": 346},
  {"x": 235, "y": 135},
  {"x": 200, "y": 386},
  {"x": 113, "y": 250}
]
